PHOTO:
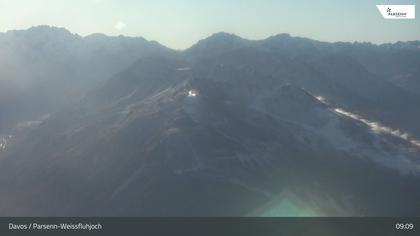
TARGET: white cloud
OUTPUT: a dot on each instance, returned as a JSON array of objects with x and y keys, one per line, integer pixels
[{"x": 120, "y": 25}]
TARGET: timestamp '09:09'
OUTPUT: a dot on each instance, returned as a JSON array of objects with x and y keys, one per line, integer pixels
[{"x": 404, "y": 226}]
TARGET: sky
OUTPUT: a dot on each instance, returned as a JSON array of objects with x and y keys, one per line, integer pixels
[{"x": 181, "y": 23}]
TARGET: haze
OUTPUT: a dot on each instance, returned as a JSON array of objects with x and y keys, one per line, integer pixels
[{"x": 180, "y": 23}]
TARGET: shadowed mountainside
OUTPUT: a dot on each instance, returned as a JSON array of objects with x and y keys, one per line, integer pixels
[{"x": 229, "y": 127}]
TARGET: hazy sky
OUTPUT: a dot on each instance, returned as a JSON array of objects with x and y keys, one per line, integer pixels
[{"x": 181, "y": 23}]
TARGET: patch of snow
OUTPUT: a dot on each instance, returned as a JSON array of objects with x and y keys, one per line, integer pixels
[
  {"x": 378, "y": 128},
  {"x": 32, "y": 123},
  {"x": 192, "y": 93},
  {"x": 28, "y": 124},
  {"x": 4, "y": 141},
  {"x": 321, "y": 99},
  {"x": 374, "y": 125},
  {"x": 183, "y": 69}
]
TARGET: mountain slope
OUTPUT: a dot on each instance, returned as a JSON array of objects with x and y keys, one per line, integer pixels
[
  {"x": 175, "y": 137},
  {"x": 44, "y": 68},
  {"x": 230, "y": 127}
]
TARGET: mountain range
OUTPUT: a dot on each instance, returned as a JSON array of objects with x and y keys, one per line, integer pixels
[{"x": 285, "y": 126}]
